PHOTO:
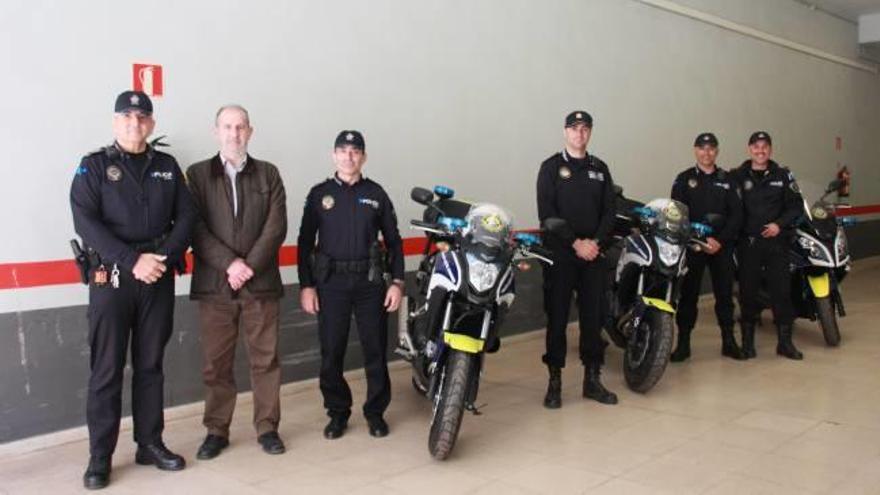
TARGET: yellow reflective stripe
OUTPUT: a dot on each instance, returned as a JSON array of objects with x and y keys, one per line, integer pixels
[
  {"x": 821, "y": 285},
  {"x": 463, "y": 343},
  {"x": 659, "y": 304}
]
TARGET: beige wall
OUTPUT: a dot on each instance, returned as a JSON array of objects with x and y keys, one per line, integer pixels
[{"x": 471, "y": 94}]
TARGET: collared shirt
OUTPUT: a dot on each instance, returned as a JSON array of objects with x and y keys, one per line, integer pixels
[
  {"x": 117, "y": 204},
  {"x": 580, "y": 191},
  {"x": 345, "y": 220},
  {"x": 231, "y": 171},
  {"x": 708, "y": 193},
  {"x": 770, "y": 195}
]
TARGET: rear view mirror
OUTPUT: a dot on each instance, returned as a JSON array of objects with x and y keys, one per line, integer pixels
[
  {"x": 833, "y": 186},
  {"x": 421, "y": 195}
]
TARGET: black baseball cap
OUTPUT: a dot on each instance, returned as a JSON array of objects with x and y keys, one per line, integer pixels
[
  {"x": 706, "y": 138},
  {"x": 760, "y": 136},
  {"x": 133, "y": 100},
  {"x": 577, "y": 117},
  {"x": 353, "y": 138}
]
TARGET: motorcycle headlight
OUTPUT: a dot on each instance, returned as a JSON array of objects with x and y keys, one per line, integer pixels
[
  {"x": 814, "y": 248},
  {"x": 481, "y": 275},
  {"x": 669, "y": 253},
  {"x": 841, "y": 246}
]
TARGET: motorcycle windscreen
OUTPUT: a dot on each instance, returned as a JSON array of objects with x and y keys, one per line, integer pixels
[
  {"x": 671, "y": 221},
  {"x": 490, "y": 226},
  {"x": 823, "y": 222}
]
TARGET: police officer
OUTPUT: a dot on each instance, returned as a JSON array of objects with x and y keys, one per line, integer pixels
[
  {"x": 576, "y": 186},
  {"x": 343, "y": 274},
  {"x": 772, "y": 203},
  {"x": 707, "y": 189},
  {"x": 132, "y": 209}
]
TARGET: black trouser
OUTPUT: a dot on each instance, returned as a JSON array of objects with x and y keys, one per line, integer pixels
[
  {"x": 142, "y": 314},
  {"x": 587, "y": 279},
  {"x": 721, "y": 269},
  {"x": 768, "y": 258},
  {"x": 339, "y": 297}
]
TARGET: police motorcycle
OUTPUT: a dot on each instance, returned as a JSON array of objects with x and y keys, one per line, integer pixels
[
  {"x": 464, "y": 287},
  {"x": 820, "y": 260},
  {"x": 647, "y": 253}
]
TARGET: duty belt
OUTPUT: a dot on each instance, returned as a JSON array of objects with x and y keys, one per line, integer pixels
[{"x": 361, "y": 266}]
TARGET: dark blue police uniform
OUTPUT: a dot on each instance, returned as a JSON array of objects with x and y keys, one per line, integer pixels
[
  {"x": 769, "y": 196},
  {"x": 346, "y": 220},
  {"x": 124, "y": 205},
  {"x": 705, "y": 194},
  {"x": 580, "y": 191}
]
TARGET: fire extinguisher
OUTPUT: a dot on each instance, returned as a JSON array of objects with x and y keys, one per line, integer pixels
[{"x": 843, "y": 176}]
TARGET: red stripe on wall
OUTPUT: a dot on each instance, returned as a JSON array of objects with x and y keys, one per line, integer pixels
[
  {"x": 843, "y": 211},
  {"x": 61, "y": 272}
]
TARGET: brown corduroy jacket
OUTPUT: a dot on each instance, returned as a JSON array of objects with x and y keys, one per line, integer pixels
[{"x": 255, "y": 234}]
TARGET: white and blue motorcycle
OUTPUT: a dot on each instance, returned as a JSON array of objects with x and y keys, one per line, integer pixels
[{"x": 464, "y": 286}]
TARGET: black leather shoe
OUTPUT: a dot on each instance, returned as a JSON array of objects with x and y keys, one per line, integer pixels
[
  {"x": 378, "y": 427},
  {"x": 553, "y": 399},
  {"x": 158, "y": 455},
  {"x": 593, "y": 388},
  {"x": 335, "y": 428},
  {"x": 97, "y": 475},
  {"x": 211, "y": 447},
  {"x": 271, "y": 443}
]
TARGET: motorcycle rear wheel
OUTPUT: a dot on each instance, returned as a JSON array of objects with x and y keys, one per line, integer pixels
[
  {"x": 450, "y": 407},
  {"x": 642, "y": 377},
  {"x": 828, "y": 321}
]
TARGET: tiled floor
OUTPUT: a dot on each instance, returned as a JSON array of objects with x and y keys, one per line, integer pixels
[{"x": 712, "y": 425}]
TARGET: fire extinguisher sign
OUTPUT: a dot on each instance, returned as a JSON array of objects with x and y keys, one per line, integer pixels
[{"x": 147, "y": 78}]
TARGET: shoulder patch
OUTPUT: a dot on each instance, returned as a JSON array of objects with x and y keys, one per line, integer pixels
[{"x": 81, "y": 170}]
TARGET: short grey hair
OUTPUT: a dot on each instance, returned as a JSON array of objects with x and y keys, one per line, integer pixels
[{"x": 233, "y": 106}]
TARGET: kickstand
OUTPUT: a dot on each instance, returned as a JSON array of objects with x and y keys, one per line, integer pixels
[{"x": 475, "y": 410}]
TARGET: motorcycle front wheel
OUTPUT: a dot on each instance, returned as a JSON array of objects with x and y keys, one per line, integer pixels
[
  {"x": 828, "y": 321},
  {"x": 450, "y": 404},
  {"x": 647, "y": 353}
]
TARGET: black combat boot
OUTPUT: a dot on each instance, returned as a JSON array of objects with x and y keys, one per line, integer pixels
[
  {"x": 728, "y": 344},
  {"x": 786, "y": 347},
  {"x": 553, "y": 399},
  {"x": 593, "y": 388},
  {"x": 683, "y": 347},
  {"x": 748, "y": 334}
]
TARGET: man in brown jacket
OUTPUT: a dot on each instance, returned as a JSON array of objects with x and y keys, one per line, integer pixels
[{"x": 236, "y": 278}]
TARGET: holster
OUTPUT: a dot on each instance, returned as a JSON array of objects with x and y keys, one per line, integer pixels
[{"x": 82, "y": 261}]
